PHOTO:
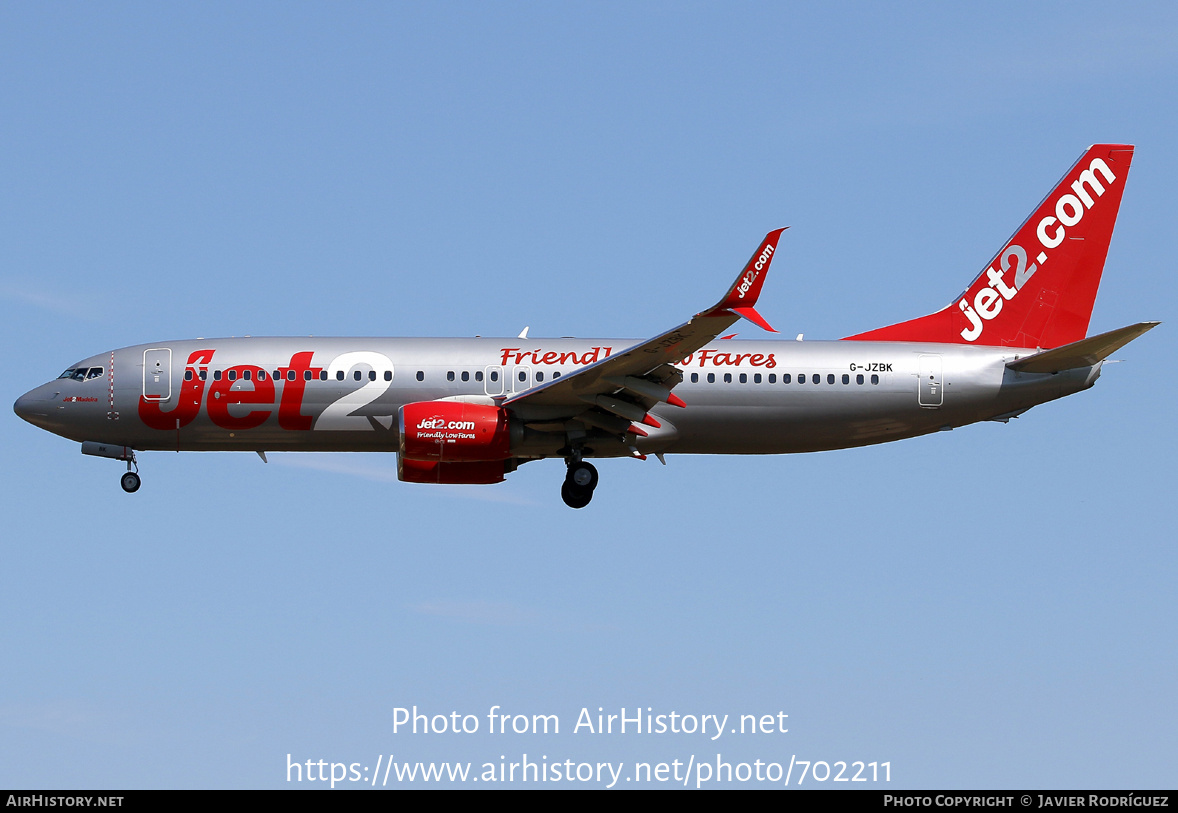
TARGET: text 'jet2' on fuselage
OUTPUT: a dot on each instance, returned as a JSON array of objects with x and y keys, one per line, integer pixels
[{"x": 473, "y": 410}]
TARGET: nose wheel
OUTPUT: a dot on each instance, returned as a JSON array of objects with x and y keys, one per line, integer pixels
[
  {"x": 579, "y": 482},
  {"x": 130, "y": 482}
]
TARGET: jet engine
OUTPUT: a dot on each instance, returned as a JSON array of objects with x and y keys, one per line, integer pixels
[
  {"x": 477, "y": 473},
  {"x": 456, "y": 431}
]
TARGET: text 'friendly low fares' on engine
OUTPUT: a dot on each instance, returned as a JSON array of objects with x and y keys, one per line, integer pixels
[{"x": 473, "y": 410}]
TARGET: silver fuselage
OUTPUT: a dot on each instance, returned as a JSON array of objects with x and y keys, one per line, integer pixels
[{"x": 743, "y": 397}]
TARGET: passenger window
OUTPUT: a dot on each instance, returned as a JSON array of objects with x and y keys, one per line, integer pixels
[
  {"x": 421, "y": 375},
  {"x": 449, "y": 375},
  {"x": 356, "y": 375},
  {"x": 801, "y": 378},
  {"x": 695, "y": 378},
  {"x": 466, "y": 375},
  {"x": 307, "y": 375},
  {"x": 188, "y": 375},
  {"x": 478, "y": 376},
  {"x": 323, "y": 375},
  {"x": 874, "y": 379},
  {"x": 711, "y": 378},
  {"x": 372, "y": 375},
  {"x": 727, "y": 378},
  {"x": 859, "y": 378},
  {"x": 339, "y": 375},
  {"x": 204, "y": 375},
  {"x": 523, "y": 376},
  {"x": 817, "y": 379},
  {"x": 233, "y": 375},
  {"x": 556, "y": 374},
  {"x": 757, "y": 378},
  {"x": 290, "y": 375},
  {"x": 830, "y": 378},
  {"x": 846, "y": 379},
  {"x": 494, "y": 375},
  {"x": 261, "y": 375},
  {"x": 540, "y": 376},
  {"x": 246, "y": 375},
  {"x": 744, "y": 379},
  {"x": 216, "y": 375},
  {"x": 773, "y": 378},
  {"x": 786, "y": 378},
  {"x": 388, "y": 375}
]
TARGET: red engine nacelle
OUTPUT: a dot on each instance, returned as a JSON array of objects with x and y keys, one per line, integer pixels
[
  {"x": 446, "y": 431},
  {"x": 428, "y": 471}
]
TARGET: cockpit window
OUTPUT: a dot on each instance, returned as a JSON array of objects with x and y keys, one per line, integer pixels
[{"x": 82, "y": 373}]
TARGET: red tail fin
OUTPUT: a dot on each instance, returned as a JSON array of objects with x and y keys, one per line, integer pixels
[{"x": 1040, "y": 288}]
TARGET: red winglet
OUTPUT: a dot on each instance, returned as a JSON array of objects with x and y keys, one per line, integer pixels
[
  {"x": 638, "y": 430},
  {"x": 649, "y": 420},
  {"x": 754, "y": 317},
  {"x": 675, "y": 400},
  {"x": 746, "y": 289},
  {"x": 742, "y": 296}
]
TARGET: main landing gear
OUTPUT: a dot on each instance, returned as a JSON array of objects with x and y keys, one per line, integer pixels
[{"x": 579, "y": 482}]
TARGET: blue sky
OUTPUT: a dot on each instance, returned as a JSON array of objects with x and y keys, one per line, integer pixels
[{"x": 989, "y": 607}]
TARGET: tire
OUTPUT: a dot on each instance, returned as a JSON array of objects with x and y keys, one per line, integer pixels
[
  {"x": 582, "y": 476},
  {"x": 575, "y": 497},
  {"x": 130, "y": 482}
]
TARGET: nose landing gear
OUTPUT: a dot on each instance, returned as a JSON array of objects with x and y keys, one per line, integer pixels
[
  {"x": 130, "y": 482},
  {"x": 579, "y": 482}
]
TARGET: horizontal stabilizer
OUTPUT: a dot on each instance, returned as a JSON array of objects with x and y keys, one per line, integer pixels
[{"x": 1083, "y": 353}]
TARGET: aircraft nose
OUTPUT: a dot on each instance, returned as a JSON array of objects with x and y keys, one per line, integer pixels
[
  {"x": 33, "y": 406},
  {"x": 23, "y": 406}
]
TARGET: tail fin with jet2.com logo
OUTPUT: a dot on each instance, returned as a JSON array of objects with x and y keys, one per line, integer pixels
[{"x": 1040, "y": 288}]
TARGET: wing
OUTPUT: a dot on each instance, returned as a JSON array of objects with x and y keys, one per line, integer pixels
[{"x": 615, "y": 393}]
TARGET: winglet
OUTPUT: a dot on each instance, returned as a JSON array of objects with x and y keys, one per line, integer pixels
[
  {"x": 754, "y": 317},
  {"x": 741, "y": 298}
]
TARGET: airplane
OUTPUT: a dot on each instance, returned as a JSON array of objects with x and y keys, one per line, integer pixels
[{"x": 472, "y": 410}]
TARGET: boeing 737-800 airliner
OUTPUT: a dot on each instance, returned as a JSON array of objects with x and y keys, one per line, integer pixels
[{"x": 473, "y": 410}]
